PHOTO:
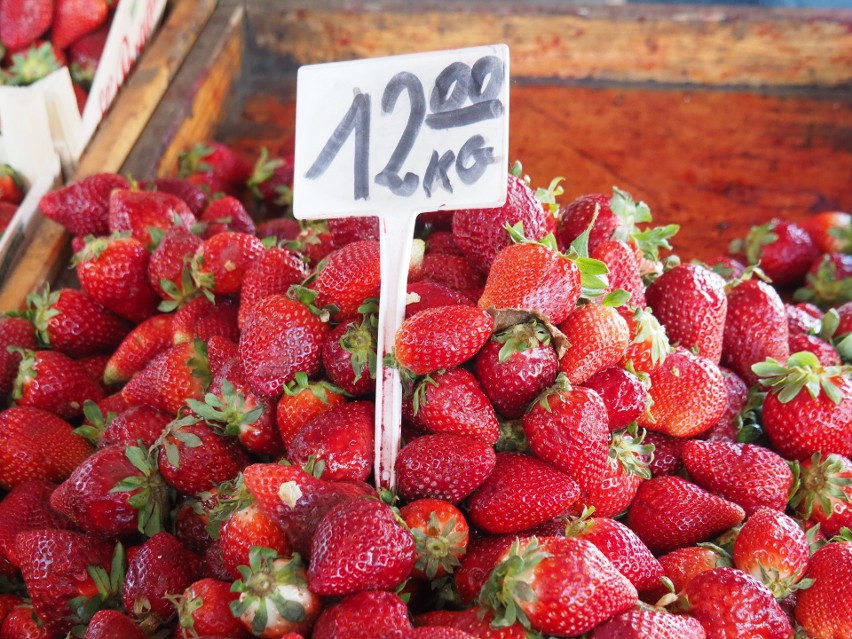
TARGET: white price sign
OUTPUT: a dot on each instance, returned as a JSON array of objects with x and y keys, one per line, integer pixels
[{"x": 394, "y": 137}]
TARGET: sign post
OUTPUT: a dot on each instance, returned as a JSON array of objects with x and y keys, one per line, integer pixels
[{"x": 392, "y": 138}]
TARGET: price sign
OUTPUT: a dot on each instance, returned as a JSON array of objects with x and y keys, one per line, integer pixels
[{"x": 394, "y": 137}]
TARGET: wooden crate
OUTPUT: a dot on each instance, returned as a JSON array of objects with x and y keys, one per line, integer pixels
[{"x": 719, "y": 118}]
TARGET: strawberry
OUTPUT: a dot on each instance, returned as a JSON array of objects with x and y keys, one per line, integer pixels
[
  {"x": 682, "y": 565},
  {"x": 453, "y": 271},
  {"x": 597, "y": 336},
  {"x": 23, "y": 623},
  {"x": 643, "y": 623},
  {"x": 37, "y": 445},
  {"x": 567, "y": 428},
  {"x": 427, "y": 294},
  {"x": 730, "y": 603},
  {"x": 135, "y": 424},
  {"x": 11, "y": 184},
  {"x": 803, "y": 318},
  {"x": 533, "y": 276},
  {"x": 273, "y": 272},
  {"x": 452, "y": 402},
  {"x": 799, "y": 423},
  {"x": 688, "y": 396},
  {"x": 475, "y": 621},
  {"x": 345, "y": 230},
  {"x": 823, "y": 609},
  {"x": 354, "y": 529},
  {"x": 773, "y": 549},
  {"x": 441, "y": 337},
  {"x": 622, "y": 263},
  {"x": 623, "y": 394},
  {"x": 7, "y": 213},
  {"x": 622, "y": 475},
  {"x": 515, "y": 365},
  {"x": 341, "y": 440},
  {"x": 274, "y": 596},
  {"x": 755, "y": 328},
  {"x": 220, "y": 263},
  {"x": 106, "y": 624},
  {"x": 226, "y": 214},
  {"x": 35, "y": 62},
  {"x": 557, "y": 585},
  {"x": 297, "y": 501},
  {"x": 690, "y": 302},
  {"x": 670, "y": 512},
  {"x": 825, "y": 352},
  {"x": 14, "y": 331},
  {"x": 203, "y": 318},
  {"x": 217, "y": 160},
  {"x": 160, "y": 567},
  {"x": 668, "y": 458},
  {"x": 168, "y": 268},
  {"x": 66, "y": 575},
  {"x": 484, "y": 553},
  {"x": 115, "y": 491},
  {"x": 283, "y": 229},
  {"x": 481, "y": 233},
  {"x": 21, "y": 24},
  {"x": 204, "y": 609},
  {"x": 828, "y": 282},
  {"x": 71, "y": 322},
  {"x": 427, "y": 632},
  {"x": 349, "y": 355},
  {"x": 830, "y": 231},
  {"x": 649, "y": 344},
  {"x": 750, "y": 476},
  {"x": 114, "y": 271},
  {"x": 143, "y": 343},
  {"x": 72, "y": 19},
  {"x": 589, "y": 210},
  {"x": 84, "y": 56},
  {"x": 731, "y": 421},
  {"x": 442, "y": 242},
  {"x": 349, "y": 276},
  {"x": 7, "y": 604},
  {"x": 141, "y": 211},
  {"x": 783, "y": 249},
  {"x": 444, "y": 466},
  {"x": 301, "y": 402},
  {"x": 244, "y": 529},
  {"x": 824, "y": 494},
  {"x": 280, "y": 337},
  {"x": 440, "y": 534},
  {"x": 520, "y": 493},
  {"x": 53, "y": 382},
  {"x": 83, "y": 206},
  {"x": 192, "y": 194},
  {"x": 193, "y": 458},
  {"x": 271, "y": 181},
  {"x": 366, "y": 615},
  {"x": 179, "y": 373},
  {"x": 26, "y": 507},
  {"x": 313, "y": 241}
]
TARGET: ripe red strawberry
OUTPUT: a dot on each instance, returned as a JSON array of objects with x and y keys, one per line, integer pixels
[
  {"x": 141, "y": 211},
  {"x": 800, "y": 423},
  {"x": 114, "y": 271},
  {"x": 481, "y": 233},
  {"x": 313, "y": 242},
  {"x": 622, "y": 262},
  {"x": 11, "y": 185},
  {"x": 667, "y": 454},
  {"x": 142, "y": 344},
  {"x": 354, "y": 529},
  {"x": 84, "y": 56},
  {"x": 620, "y": 480},
  {"x": 168, "y": 269},
  {"x": 35, "y": 444},
  {"x": 824, "y": 495},
  {"x": 575, "y": 218},
  {"x": 345, "y": 230},
  {"x": 641, "y": 623},
  {"x": 21, "y": 25},
  {"x": 160, "y": 567},
  {"x": 830, "y": 231},
  {"x": 182, "y": 372},
  {"x": 71, "y": 322},
  {"x": 202, "y": 318},
  {"x": 475, "y": 621},
  {"x": 557, "y": 585},
  {"x": 670, "y": 512},
  {"x": 598, "y": 338},
  {"x": 825, "y": 352},
  {"x": 755, "y": 328},
  {"x": 271, "y": 181},
  {"x": 688, "y": 396},
  {"x": 192, "y": 194},
  {"x": 53, "y": 382},
  {"x": 57, "y": 566},
  {"x": 83, "y": 206},
  {"x": 204, "y": 609},
  {"x": 280, "y": 338},
  {"x": 773, "y": 549},
  {"x": 681, "y": 565},
  {"x": 649, "y": 345},
  {"x": 520, "y": 493},
  {"x": 823, "y": 609},
  {"x": 349, "y": 355},
  {"x": 193, "y": 458},
  {"x": 568, "y": 429},
  {"x": 273, "y": 272},
  {"x": 533, "y": 276},
  {"x": 515, "y": 365},
  {"x": 23, "y": 623},
  {"x": 107, "y": 624},
  {"x": 133, "y": 425},
  {"x": 442, "y": 242},
  {"x": 748, "y": 475},
  {"x": 220, "y": 263},
  {"x": 427, "y": 294},
  {"x": 440, "y": 534},
  {"x": 217, "y": 160},
  {"x": 245, "y": 528},
  {"x": 731, "y": 421},
  {"x": 301, "y": 402},
  {"x": 366, "y": 615},
  {"x": 453, "y": 271},
  {"x": 783, "y": 249},
  {"x": 443, "y": 466},
  {"x": 349, "y": 276},
  {"x": 283, "y": 229},
  {"x": 452, "y": 402},
  {"x": 341, "y": 439},
  {"x": 72, "y": 19},
  {"x": 623, "y": 394},
  {"x": 14, "y": 331},
  {"x": 730, "y": 603},
  {"x": 274, "y": 596},
  {"x": 803, "y": 318},
  {"x": 427, "y": 632},
  {"x": 226, "y": 214},
  {"x": 297, "y": 501},
  {"x": 26, "y": 507}
]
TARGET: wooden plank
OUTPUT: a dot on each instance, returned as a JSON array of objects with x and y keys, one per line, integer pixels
[
  {"x": 635, "y": 43},
  {"x": 124, "y": 123}
]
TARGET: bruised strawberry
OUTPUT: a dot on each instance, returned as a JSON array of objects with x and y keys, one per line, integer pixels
[{"x": 83, "y": 206}]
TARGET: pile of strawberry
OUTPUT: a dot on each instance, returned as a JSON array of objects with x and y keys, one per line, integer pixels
[
  {"x": 38, "y": 37},
  {"x": 189, "y": 446},
  {"x": 11, "y": 194}
]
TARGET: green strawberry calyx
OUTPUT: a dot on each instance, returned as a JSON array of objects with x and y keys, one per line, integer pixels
[
  {"x": 93, "y": 428},
  {"x": 439, "y": 546},
  {"x": 231, "y": 496},
  {"x": 33, "y": 64},
  {"x": 752, "y": 246},
  {"x": 520, "y": 338},
  {"x": 41, "y": 308},
  {"x": 627, "y": 448},
  {"x": 823, "y": 288},
  {"x": 801, "y": 370},
  {"x": 93, "y": 247},
  {"x": 150, "y": 495},
  {"x": 109, "y": 586},
  {"x": 649, "y": 329},
  {"x": 229, "y": 412},
  {"x": 192, "y": 161},
  {"x": 360, "y": 340},
  {"x": 820, "y": 484},
  {"x": 27, "y": 371},
  {"x": 320, "y": 389}
]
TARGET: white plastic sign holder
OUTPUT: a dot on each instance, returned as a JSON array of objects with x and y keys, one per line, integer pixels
[{"x": 392, "y": 138}]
